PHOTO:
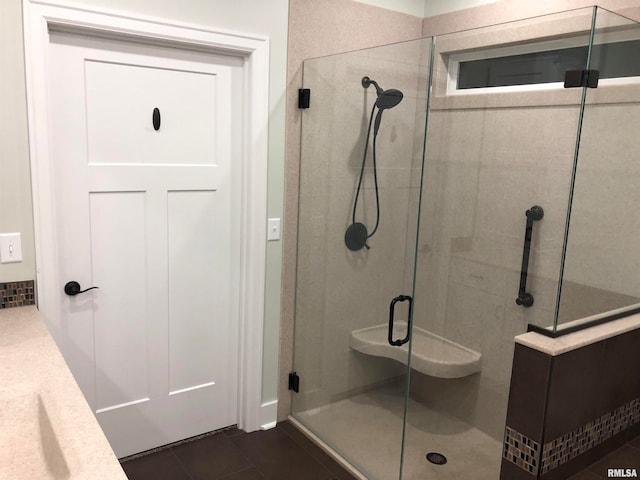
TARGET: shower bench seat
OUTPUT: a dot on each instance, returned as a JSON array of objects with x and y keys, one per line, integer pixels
[{"x": 430, "y": 354}]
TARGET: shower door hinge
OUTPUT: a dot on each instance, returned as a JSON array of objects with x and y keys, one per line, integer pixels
[
  {"x": 294, "y": 382},
  {"x": 304, "y": 97},
  {"x": 581, "y": 78}
]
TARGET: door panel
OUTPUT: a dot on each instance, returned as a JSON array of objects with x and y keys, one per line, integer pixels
[
  {"x": 120, "y": 102},
  {"x": 147, "y": 216},
  {"x": 195, "y": 248},
  {"x": 120, "y": 323}
]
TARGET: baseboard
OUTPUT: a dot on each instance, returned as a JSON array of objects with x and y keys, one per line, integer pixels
[{"x": 268, "y": 415}]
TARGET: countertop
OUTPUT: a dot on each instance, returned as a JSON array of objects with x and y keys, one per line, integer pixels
[{"x": 41, "y": 404}]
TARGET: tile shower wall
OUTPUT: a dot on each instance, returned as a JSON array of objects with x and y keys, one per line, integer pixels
[
  {"x": 484, "y": 169},
  {"x": 353, "y": 26},
  {"x": 340, "y": 291},
  {"x": 576, "y": 407},
  {"x": 17, "y": 294},
  {"x": 605, "y": 195}
]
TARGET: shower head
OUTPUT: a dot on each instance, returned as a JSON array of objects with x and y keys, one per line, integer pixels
[
  {"x": 386, "y": 98},
  {"x": 389, "y": 98}
]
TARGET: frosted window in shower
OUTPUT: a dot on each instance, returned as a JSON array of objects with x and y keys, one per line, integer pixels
[{"x": 549, "y": 66}]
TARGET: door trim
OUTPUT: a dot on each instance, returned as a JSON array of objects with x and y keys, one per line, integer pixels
[{"x": 41, "y": 16}]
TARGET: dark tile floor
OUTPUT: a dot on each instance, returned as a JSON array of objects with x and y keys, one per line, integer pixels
[
  {"x": 627, "y": 456},
  {"x": 284, "y": 453},
  {"x": 280, "y": 453}
]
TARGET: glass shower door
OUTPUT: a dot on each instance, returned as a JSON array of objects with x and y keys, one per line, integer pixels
[
  {"x": 600, "y": 274},
  {"x": 500, "y": 151},
  {"x": 360, "y": 174}
]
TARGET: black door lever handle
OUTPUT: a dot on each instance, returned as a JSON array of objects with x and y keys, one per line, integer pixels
[{"x": 73, "y": 288}]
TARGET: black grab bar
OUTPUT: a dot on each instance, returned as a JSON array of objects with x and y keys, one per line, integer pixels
[
  {"x": 533, "y": 214},
  {"x": 401, "y": 298}
]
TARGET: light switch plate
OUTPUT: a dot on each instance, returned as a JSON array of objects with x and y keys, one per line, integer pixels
[
  {"x": 273, "y": 229},
  {"x": 10, "y": 247}
]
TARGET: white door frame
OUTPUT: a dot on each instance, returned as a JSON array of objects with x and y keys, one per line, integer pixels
[{"x": 39, "y": 17}]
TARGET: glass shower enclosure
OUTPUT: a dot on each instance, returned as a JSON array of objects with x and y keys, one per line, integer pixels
[{"x": 454, "y": 192}]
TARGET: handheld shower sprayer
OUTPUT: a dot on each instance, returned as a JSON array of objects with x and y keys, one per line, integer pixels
[{"x": 357, "y": 235}]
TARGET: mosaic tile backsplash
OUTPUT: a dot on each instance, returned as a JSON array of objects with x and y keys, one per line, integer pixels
[
  {"x": 572, "y": 444},
  {"x": 17, "y": 294},
  {"x": 525, "y": 452},
  {"x": 521, "y": 450}
]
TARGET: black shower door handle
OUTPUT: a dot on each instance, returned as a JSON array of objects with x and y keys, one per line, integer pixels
[
  {"x": 535, "y": 213},
  {"x": 401, "y": 298}
]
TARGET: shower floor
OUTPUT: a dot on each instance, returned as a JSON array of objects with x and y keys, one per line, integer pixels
[{"x": 366, "y": 429}]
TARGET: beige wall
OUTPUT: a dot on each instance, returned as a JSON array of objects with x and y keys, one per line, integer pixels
[
  {"x": 511, "y": 10},
  {"x": 15, "y": 181},
  {"x": 410, "y": 7},
  {"x": 426, "y": 8},
  {"x": 266, "y": 17}
]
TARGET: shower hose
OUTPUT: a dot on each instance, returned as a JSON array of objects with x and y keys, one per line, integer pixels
[{"x": 375, "y": 176}]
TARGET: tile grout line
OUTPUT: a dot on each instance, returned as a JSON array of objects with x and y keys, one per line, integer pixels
[
  {"x": 633, "y": 446},
  {"x": 182, "y": 465},
  {"x": 237, "y": 449},
  {"x": 240, "y": 471},
  {"x": 588, "y": 467},
  {"x": 308, "y": 446},
  {"x": 304, "y": 448},
  {"x": 241, "y": 452},
  {"x": 294, "y": 440},
  {"x": 351, "y": 470}
]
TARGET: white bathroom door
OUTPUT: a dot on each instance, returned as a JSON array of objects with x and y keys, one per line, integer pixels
[{"x": 146, "y": 202}]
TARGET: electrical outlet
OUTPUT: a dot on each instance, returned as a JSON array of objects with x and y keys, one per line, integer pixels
[
  {"x": 10, "y": 248},
  {"x": 273, "y": 227}
]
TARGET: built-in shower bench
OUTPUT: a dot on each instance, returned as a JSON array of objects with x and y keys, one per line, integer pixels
[{"x": 430, "y": 354}]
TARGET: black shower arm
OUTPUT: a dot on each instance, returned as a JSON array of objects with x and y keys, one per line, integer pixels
[{"x": 366, "y": 81}]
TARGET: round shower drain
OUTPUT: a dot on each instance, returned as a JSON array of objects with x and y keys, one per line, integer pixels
[{"x": 436, "y": 458}]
